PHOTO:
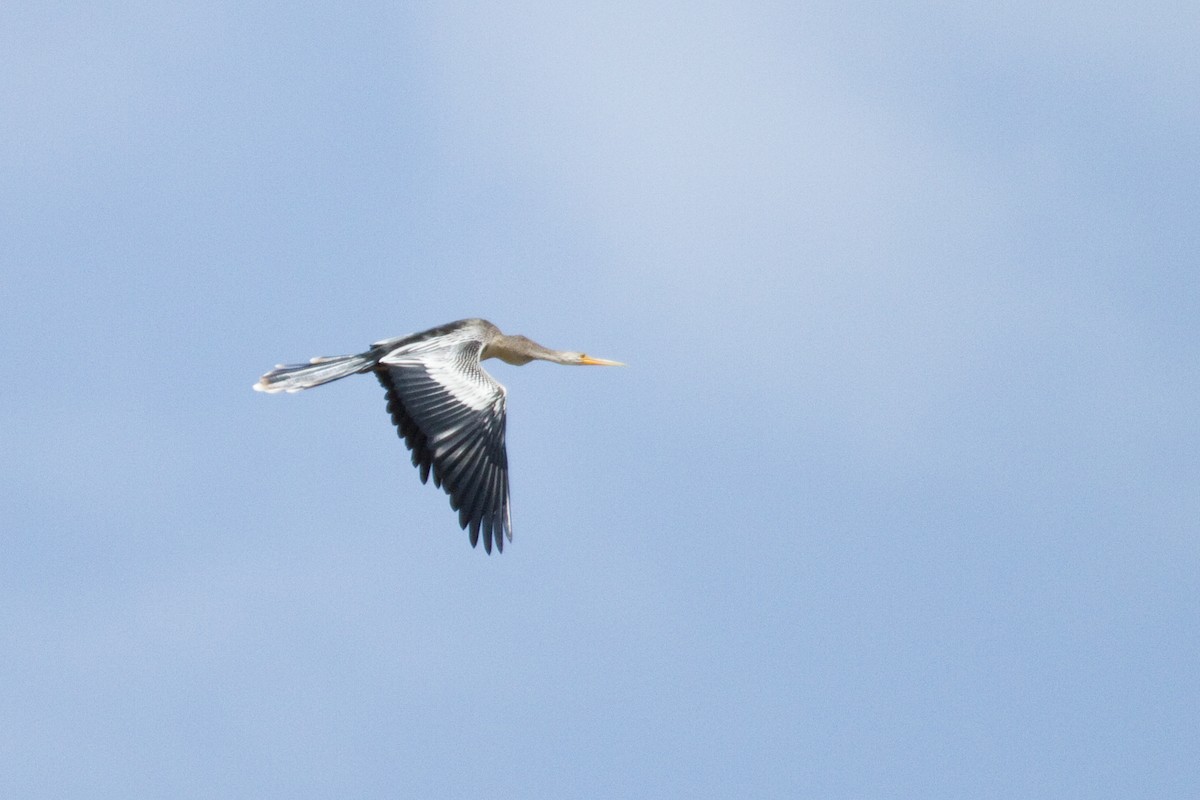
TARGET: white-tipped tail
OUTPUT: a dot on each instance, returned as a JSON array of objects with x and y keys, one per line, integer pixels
[{"x": 294, "y": 377}]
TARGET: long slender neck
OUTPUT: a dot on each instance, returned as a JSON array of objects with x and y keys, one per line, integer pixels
[{"x": 520, "y": 350}]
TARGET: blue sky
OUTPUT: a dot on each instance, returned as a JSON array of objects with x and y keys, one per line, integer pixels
[{"x": 898, "y": 497}]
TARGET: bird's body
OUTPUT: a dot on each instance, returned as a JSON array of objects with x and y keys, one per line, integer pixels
[{"x": 448, "y": 410}]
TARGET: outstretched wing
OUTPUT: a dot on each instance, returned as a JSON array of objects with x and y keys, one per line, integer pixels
[{"x": 450, "y": 413}]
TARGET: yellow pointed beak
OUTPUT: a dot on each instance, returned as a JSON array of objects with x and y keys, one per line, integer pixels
[{"x": 599, "y": 362}]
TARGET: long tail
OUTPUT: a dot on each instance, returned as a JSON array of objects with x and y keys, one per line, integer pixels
[{"x": 294, "y": 377}]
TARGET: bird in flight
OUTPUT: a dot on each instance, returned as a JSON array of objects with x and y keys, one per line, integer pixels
[{"x": 448, "y": 410}]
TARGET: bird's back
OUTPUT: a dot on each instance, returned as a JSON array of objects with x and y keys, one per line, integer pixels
[{"x": 451, "y": 334}]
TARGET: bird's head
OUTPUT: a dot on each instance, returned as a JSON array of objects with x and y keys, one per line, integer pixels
[{"x": 586, "y": 360}]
